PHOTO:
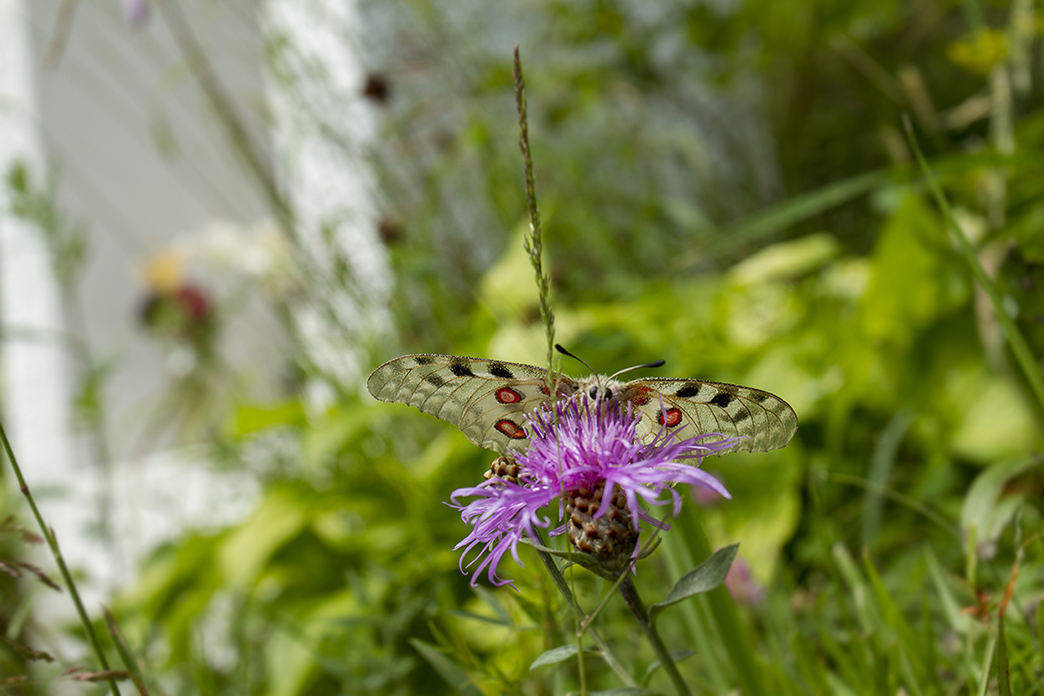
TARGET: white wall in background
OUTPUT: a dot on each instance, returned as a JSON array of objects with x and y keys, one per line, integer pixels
[{"x": 323, "y": 130}]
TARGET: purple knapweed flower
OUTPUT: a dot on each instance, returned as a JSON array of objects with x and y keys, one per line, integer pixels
[{"x": 587, "y": 455}]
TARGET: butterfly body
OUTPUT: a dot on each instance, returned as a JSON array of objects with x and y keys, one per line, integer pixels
[{"x": 488, "y": 400}]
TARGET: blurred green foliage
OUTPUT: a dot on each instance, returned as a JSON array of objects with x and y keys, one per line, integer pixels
[{"x": 726, "y": 186}]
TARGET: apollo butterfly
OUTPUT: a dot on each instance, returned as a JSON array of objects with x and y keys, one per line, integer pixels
[{"x": 487, "y": 400}]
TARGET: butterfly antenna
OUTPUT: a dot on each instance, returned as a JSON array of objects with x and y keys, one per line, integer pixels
[
  {"x": 658, "y": 363},
  {"x": 563, "y": 351}
]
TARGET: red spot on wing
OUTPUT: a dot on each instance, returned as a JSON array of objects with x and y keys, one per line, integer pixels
[
  {"x": 507, "y": 395},
  {"x": 512, "y": 430},
  {"x": 560, "y": 389},
  {"x": 641, "y": 396},
  {"x": 671, "y": 418}
]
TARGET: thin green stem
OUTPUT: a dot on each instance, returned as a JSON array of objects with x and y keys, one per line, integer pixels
[
  {"x": 630, "y": 594},
  {"x": 563, "y": 587},
  {"x": 52, "y": 542},
  {"x": 534, "y": 241},
  {"x": 1023, "y": 354},
  {"x": 222, "y": 104}
]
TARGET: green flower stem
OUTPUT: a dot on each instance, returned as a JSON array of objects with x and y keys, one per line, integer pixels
[
  {"x": 52, "y": 542},
  {"x": 630, "y": 594},
  {"x": 603, "y": 647}
]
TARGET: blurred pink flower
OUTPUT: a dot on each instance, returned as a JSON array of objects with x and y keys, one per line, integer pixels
[
  {"x": 742, "y": 585},
  {"x": 136, "y": 12}
]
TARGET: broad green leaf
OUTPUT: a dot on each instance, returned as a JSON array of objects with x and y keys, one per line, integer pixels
[
  {"x": 704, "y": 578},
  {"x": 785, "y": 260},
  {"x": 280, "y": 517},
  {"x": 557, "y": 655},
  {"x": 986, "y": 507},
  {"x": 252, "y": 418},
  {"x": 914, "y": 275},
  {"x": 507, "y": 289},
  {"x": 994, "y": 419}
]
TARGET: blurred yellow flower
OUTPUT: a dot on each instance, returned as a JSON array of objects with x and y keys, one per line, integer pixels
[
  {"x": 979, "y": 52},
  {"x": 164, "y": 271}
]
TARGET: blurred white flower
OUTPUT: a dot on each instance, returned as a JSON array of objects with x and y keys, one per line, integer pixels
[{"x": 258, "y": 252}]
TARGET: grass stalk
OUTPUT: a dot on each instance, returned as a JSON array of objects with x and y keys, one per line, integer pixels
[
  {"x": 1021, "y": 349},
  {"x": 534, "y": 241},
  {"x": 52, "y": 543}
]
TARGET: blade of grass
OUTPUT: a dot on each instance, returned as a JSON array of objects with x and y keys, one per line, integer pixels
[
  {"x": 1023, "y": 355},
  {"x": 1001, "y": 661},
  {"x": 902, "y": 634},
  {"x": 880, "y": 468},
  {"x": 695, "y": 614},
  {"x": 451, "y": 673},
  {"x": 126, "y": 656},
  {"x": 731, "y": 630},
  {"x": 52, "y": 543},
  {"x": 534, "y": 241},
  {"x": 987, "y": 664}
]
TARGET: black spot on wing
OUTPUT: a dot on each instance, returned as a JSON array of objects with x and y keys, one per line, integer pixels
[
  {"x": 434, "y": 379},
  {"x": 500, "y": 370},
  {"x": 461, "y": 369},
  {"x": 742, "y": 416},
  {"x": 424, "y": 360},
  {"x": 687, "y": 390},
  {"x": 722, "y": 399},
  {"x": 760, "y": 396}
]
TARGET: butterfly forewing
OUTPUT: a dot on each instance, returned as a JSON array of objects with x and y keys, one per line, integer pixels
[
  {"x": 484, "y": 398},
  {"x": 763, "y": 420},
  {"x": 487, "y": 400}
]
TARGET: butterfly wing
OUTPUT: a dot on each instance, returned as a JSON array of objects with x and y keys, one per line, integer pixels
[
  {"x": 763, "y": 420},
  {"x": 486, "y": 399}
]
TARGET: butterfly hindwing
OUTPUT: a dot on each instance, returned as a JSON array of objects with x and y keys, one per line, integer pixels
[
  {"x": 763, "y": 420},
  {"x": 486, "y": 399}
]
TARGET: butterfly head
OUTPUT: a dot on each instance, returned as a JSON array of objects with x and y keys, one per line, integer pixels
[{"x": 599, "y": 388}]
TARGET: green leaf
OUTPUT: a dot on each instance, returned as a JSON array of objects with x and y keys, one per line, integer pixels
[
  {"x": 985, "y": 507},
  {"x": 704, "y": 578},
  {"x": 252, "y": 418},
  {"x": 450, "y": 672},
  {"x": 280, "y": 517},
  {"x": 558, "y": 655},
  {"x": 786, "y": 260},
  {"x": 915, "y": 277}
]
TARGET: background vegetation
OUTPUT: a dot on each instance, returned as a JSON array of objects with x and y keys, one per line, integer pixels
[{"x": 727, "y": 186}]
